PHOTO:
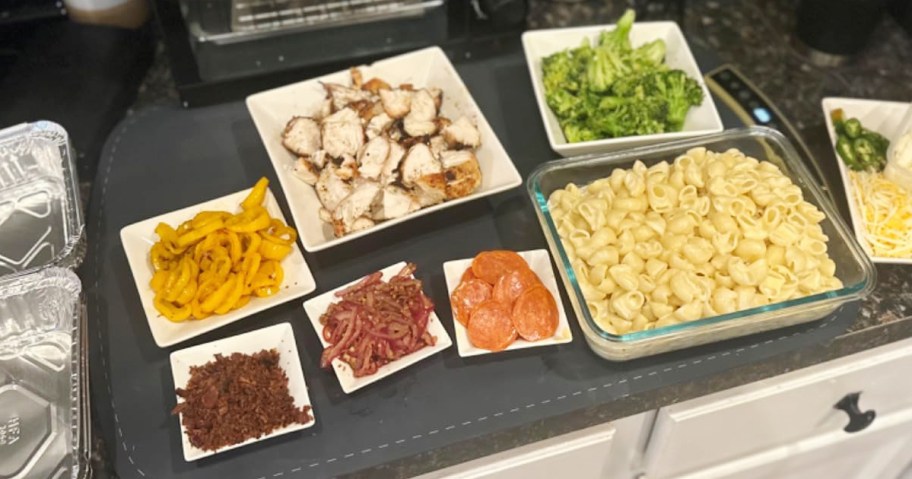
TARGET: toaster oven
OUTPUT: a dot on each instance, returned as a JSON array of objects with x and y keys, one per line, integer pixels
[{"x": 225, "y": 49}]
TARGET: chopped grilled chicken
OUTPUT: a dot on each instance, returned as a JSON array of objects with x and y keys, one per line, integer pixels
[
  {"x": 375, "y": 109},
  {"x": 437, "y": 95},
  {"x": 326, "y": 109},
  {"x": 374, "y": 85},
  {"x": 342, "y": 133},
  {"x": 396, "y": 103},
  {"x": 348, "y": 168},
  {"x": 378, "y": 124},
  {"x": 420, "y": 120},
  {"x": 391, "y": 167},
  {"x": 326, "y": 216},
  {"x": 406, "y": 87},
  {"x": 431, "y": 189},
  {"x": 357, "y": 79},
  {"x": 442, "y": 122},
  {"x": 354, "y": 206},
  {"x": 343, "y": 95},
  {"x": 394, "y": 202},
  {"x": 361, "y": 223},
  {"x": 330, "y": 188},
  {"x": 462, "y": 133},
  {"x": 302, "y": 136},
  {"x": 419, "y": 162},
  {"x": 421, "y": 170},
  {"x": 438, "y": 145},
  {"x": 318, "y": 159},
  {"x": 305, "y": 170},
  {"x": 372, "y": 157},
  {"x": 462, "y": 173}
]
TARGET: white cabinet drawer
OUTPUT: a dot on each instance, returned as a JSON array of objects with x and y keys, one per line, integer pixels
[{"x": 721, "y": 427}]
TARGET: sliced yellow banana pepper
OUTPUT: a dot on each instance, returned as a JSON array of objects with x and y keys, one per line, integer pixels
[{"x": 257, "y": 194}]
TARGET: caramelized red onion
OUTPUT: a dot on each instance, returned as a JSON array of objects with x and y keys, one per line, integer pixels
[{"x": 376, "y": 322}]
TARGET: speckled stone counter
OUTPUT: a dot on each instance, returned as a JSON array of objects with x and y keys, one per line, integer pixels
[{"x": 754, "y": 36}]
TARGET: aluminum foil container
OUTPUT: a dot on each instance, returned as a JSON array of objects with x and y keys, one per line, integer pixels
[
  {"x": 43, "y": 402},
  {"x": 41, "y": 221}
]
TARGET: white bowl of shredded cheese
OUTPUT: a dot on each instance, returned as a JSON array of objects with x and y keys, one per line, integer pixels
[{"x": 881, "y": 210}]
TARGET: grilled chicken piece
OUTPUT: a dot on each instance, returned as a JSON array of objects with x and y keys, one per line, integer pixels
[
  {"x": 348, "y": 168},
  {"x": 431, "y": 189},
  {"x": 305, "y": 170},
  {"x": 396, "y": 103},
  {"x": 374, "y": 85},
  {"x": 357, "y": 79},
  {"x": 318, "y": 159},
  {"x": 354, "y": 206},
  {"x": 372, "y": 157},
  {"x": 326, "y": 216},
  {"x": 374, "y": 108},
  {"x": 378, "y": 124},
  {"x": 361, "y": 223},
  {"x": 462, "y": 173},
  {"x": 331, "y": 189},
  {"x": 462, "y": 133},
  {"x": 302, "y": 136},
  {"x": 326, "y": 109},
  {"x": 343, "y": 95},
  {"x": 342, "y": 133},
  {"x": 437, "y": 95},
  {"x": 391, "y": 167},
  {"x": 438, "y": 145},
  {"x": 394, "y": 202},
  {"x": 421, "y": 170},
  {"x": 419, "y": 162},
  {"x": 420, "y": 120}
]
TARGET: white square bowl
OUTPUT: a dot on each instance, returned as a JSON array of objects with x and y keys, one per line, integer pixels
[
  {"x": 272, "y": 109},
  {"x": 315, "y": 307},
  {"x": 138, "y": 239},
  {"x": 279, "y": 337},
  {"x": 883, "y": 117},
  {"x": 538, "y": 44},
  {"x": 539, "y": 262}
]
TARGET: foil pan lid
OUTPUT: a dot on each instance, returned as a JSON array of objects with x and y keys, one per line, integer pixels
[{"x": 41, "y": 222}]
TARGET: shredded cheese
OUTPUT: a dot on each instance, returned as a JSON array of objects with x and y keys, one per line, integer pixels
[{"x": 887, "y": 214}]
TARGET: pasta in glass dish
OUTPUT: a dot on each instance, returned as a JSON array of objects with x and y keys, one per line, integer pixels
[{"x": 710, "y": 233}]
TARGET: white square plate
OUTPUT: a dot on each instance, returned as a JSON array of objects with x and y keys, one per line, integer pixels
[
  {"x": 315, "y": 307},
  {"x": 138, "y": 238},
  {"x": 884, "y": 117},
  {"x": 279, "y": 337},
  {"x": 540, "y": 262},
  {"x": 537, "y": 44},
  {"x": 272, "y": 109}
]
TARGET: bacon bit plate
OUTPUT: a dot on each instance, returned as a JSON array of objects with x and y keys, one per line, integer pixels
[
  {"x": 315, "y": 307},
  {"x": 280, "y": 337},
  {"x": 539, "y": 262}
]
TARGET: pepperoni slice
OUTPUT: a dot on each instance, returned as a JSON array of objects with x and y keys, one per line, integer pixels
[
  {"x": 535, "y": 314},
  {"x": 468, "y": 295},
  {"x": 513, "y": 283},
  {"x": 467, "y": 275},
  {"x": 490, "y": 265},
  {"x": 491, "y": 326}
]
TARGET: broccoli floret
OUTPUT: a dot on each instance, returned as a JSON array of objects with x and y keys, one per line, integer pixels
[
  {"x": 604, "y": 68},
  {"x": 619, "y": 38},
  {"x": 650, "y": 55},
  {"x": 680, "y": 92}
]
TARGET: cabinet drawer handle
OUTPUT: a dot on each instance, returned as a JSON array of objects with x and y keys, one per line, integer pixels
[{"x": 858, "y": 420}]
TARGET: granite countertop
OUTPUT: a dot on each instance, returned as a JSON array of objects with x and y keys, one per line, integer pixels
[{"x": 754, "y": 36}]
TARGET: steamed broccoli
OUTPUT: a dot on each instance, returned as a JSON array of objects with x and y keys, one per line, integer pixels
[{"x": 611, "y": 89}]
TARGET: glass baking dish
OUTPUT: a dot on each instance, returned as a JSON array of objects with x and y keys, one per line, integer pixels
[
  {"x": 42, "y": 369},
  {"x": 853, "y": 267},
  {"x": 41, "y": 221}
]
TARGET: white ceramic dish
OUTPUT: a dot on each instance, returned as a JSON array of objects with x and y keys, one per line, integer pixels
[
  {"x": 540, "y": 262},
  {"x": 883, "y": 117},
  {"x": 272, "y": 109},
  {"x": 139, "y": 237},
  {"x": 279, "y": 337},
  {"x": 537, "y": 44},
  {"x": 315, "y": 307}
]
